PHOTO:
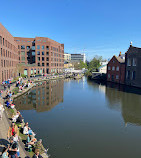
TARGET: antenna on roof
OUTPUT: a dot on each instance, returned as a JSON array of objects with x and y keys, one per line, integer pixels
[{"x": 131, "y": 43}]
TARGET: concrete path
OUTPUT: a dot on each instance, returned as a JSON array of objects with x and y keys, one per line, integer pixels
[{"x": 4, "y": 125}]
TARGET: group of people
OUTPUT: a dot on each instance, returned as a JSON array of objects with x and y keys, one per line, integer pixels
[
  {"x": 12, "y": 148},
  {"x": 9, "y": 100},
  {"x": 22, "y": 85}
]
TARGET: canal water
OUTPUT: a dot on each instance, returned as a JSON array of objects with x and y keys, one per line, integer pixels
[{"x": 84, "y": 119}]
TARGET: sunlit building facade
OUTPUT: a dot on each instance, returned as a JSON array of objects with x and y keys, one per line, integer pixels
[
  {"x": 40, "y": 55},
  {"x": 8, "y": 55}
]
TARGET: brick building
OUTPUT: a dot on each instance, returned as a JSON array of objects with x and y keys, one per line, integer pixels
[
  {"x": 8, "y": 55},
  {"x": 116, "y": 69},
  {"x": 133, "y": 66},
  {"x": 40, "y": 55}
]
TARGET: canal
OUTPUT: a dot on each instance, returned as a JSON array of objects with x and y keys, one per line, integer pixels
[{"x": 84, "y": 119}]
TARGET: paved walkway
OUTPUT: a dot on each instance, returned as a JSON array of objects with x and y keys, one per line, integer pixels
[{"x": 4, "y": 125}]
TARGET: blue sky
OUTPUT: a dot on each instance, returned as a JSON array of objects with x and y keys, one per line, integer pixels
[{"x": 102, "y": 27}]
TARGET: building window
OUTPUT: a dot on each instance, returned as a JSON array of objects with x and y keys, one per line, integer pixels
[
  {"x": 38, "y": 58},
  {"x": 33, "y": 53},
  {"x": 42, "y": 58},
  {"x": 117, "y": 77},
  {"x": 47, "y": 53},
  {"x": 3, "y": 41},
  {"x": 133, "y": 75},
  {"x": 109, "y": 68},
  {"x": 47, "y": 64},
  {"x": 38, "y": 46},
  {"x": 38, "y": 64},
  {"x": 27, "y": 47},
  {"x": 22, "y": 47},
  {"x": 43, "y": 47},
  {"x": 38, "y": 52},
  {"x": 128, "y": 75},
  {"x": 47, "y": 59},
  {"x": 117, "y": 68},
  {"x": 128, "y": 62},
  {"x": 23, "y": 58},
  {"x": 43, "y": 64},
  {"x": 108, "y": 75},
  {"x": 113, "y": 68},
  {"x": 134, "y": 61},
  {"x": 43, "y": 53},
  {"x": 22, "y": 53},
  {"x": 34, "y": 71},
  {"x": 47, "y": 47}
]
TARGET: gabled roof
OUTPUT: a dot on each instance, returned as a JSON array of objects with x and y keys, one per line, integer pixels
[{"x": 120, "y": 59}]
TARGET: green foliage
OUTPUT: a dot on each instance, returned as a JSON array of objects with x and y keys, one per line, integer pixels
[
  {"x": 88, "y": 73},
  {"x": 15, "y": 90},
  {"x": 94, "y": 64},
  {"x": 80, "y": 65},
  {"x": 23, "y": 76},
  {"x": 56, "y": 74}
]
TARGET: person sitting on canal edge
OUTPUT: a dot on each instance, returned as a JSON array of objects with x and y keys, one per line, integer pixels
[
  {"x": 13, "y": 128},
  {"x": 40, "y": 147},
  {"x": 37, "y": 154}
]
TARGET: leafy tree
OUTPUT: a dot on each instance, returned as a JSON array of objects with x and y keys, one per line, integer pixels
[
  {"x": 94, "y": 64},
  {"x": 80, "y": 65}
]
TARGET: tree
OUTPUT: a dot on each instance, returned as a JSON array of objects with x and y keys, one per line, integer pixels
[
  {"x": 20, "y": 69},
  {"x": 94, "y": 64},
  {"x": 80, "y": 65}
]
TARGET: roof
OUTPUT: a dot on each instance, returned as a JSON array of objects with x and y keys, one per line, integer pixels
[
  {"x": 102, "y": 66},
  {"x": 121, "y": 59}
]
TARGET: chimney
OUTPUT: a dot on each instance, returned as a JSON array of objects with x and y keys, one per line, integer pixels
[{"x": 119, "y": 54}]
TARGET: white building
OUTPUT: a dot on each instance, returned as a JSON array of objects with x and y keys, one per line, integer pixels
[
  {"x": 67, "y": 57},
  {"x": 103, "y": 69},
  {"x": 103, "y": 63},
  {"x": 78, "y": 57}
]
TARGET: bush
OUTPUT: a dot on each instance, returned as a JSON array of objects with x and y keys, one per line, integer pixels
[
  {"x": 15, "y": 90},
  {"x": 23, "y": 76},
  {"x": 88, "y": 74}
]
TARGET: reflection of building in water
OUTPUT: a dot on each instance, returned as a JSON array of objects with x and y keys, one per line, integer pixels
[
  {"x": 43, "y": 97},
  {"x": 128, "y": 102},
  {"x": 102, "y": 88}
]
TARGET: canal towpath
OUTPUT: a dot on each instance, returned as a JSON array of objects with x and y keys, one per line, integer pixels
[{"x": 4, "y": 125}]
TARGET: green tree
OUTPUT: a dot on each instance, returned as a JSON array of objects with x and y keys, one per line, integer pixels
[
  {"x": 80, "y": 65},
  {"x": 94, "y": 64}
]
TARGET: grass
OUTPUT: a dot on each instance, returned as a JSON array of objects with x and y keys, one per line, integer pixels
[{"x": 15, "y": 90}]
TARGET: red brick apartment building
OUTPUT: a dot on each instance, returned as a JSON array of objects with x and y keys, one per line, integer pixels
[
  {"x": 39, "y": 55},
  {"x": 8, "y": 55},
  {"x": 116, "y": 69}
]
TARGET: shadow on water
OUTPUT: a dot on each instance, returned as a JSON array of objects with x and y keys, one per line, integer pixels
[
  {"x": 119, "y": 87},
  {"x": 122, "y": 98}
]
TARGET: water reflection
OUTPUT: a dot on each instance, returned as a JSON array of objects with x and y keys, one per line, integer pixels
[
  {"x": 43, "y": 97},
  {"x": 124, "y": 99}
]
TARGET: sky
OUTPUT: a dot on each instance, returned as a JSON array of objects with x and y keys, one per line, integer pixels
[{"x": 102, "y": 27}]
